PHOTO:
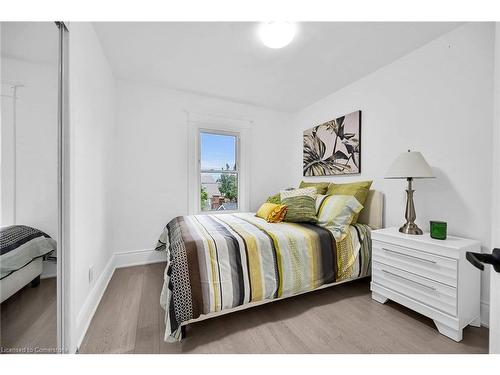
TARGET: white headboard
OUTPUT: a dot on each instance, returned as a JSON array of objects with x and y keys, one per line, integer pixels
[{"x": 372, "y": 213}]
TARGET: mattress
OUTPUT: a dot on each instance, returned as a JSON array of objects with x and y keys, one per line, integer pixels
[
  {"x": 219, "y": 262},
  {"x": 17, "y": 280}
]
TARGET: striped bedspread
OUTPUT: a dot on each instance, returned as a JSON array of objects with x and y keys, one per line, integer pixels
[{"x": 218, "y": 262}]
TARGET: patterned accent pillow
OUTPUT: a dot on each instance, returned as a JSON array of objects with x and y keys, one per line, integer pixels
[
  {"x": 321, "y": 187},
  {"x": 309, "y": 191},
  {"x": 336, "y": 213},
  {"x": 301, "y": 208}
]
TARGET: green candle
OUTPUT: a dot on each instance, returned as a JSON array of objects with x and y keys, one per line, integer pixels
[{"x": 438, "y": 230}]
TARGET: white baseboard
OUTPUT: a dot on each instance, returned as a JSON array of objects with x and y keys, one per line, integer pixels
[
  {"x": 93, "y": 299},
  {"x": 138, "y": 257},
  {"x": 117, "y": 260},
  {"x": 485, "y": 314}
]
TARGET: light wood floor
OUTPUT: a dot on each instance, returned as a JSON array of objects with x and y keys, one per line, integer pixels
[
  {"x": 341, "y": 319},
  {"x": 29, "y": 318}
]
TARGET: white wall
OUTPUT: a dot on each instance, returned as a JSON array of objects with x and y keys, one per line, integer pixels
[
  {"x": 129, "y": 174},
  {"x": 36, "y": 140},
  {"x": 150, "y": 169},
  {"x": 437, "y": 100},
  {"x": 92, "y": 124}
]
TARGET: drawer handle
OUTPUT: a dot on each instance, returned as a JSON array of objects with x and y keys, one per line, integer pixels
[
  {"x": 413, "y": 281},
  {"x": 409, "y": 256}
]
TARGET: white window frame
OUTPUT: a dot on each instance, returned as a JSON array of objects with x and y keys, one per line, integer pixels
[
  {"x": 213, "y": 124},
  {"x": 237, "y": 162}
]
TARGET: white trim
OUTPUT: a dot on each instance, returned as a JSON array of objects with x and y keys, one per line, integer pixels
[
  {"x": 197, "y": 122},
  {"x": 117, "y": 260},
  {"x": 200, "y": 171},
  {"x": 92, "y": 301},
  {"x": 485, "y": 314},
  {"x": 9, "y": 211},
  {"x": 217, "y": 120},
  {"x": 14, "y": 153},
  {"x": 138, "y": 257}
]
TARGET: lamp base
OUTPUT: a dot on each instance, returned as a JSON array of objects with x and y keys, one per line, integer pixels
[{"x": 411, "y": 228}]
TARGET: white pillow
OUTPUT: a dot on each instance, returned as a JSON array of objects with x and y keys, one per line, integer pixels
[
  {"x": 309, "y": 192},
  {"x": 335, "y": 212}
]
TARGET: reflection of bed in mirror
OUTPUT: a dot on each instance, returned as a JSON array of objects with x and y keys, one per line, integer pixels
[
  {"x": 30, "y": 183},
  {"x": 23, "y": 251}
]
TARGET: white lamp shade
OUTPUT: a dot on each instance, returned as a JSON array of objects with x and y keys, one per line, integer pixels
[{"x": 409, "y": 164}]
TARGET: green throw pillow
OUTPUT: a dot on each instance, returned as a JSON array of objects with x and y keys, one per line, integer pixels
[
  {"x": 276, "y": 199},
  {"x": 359, "y": 190},
  {"x": 321, "y": 187},
  {"x": 301, "y": 209}
]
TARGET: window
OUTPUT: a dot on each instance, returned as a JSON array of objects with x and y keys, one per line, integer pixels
[
  {"x": 218, "y": 164},
  {"x": 219, "y": 174}
]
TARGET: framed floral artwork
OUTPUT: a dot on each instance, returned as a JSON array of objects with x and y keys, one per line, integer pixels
[{"x": 334, "y": 147}]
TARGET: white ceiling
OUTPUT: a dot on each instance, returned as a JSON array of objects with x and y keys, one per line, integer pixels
[{"x": 227, "y": 60}]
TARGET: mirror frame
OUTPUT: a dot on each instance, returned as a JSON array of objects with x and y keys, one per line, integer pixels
[{"x": 63, "y": 306}]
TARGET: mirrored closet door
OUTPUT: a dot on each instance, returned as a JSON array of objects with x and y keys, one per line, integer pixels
[{"x": 31, "y": 176}]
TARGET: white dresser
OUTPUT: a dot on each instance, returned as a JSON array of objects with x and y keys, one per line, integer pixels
[{"x": 429, "y": 276}]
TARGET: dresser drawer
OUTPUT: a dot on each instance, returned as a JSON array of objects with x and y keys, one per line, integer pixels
[
  {"x": 434, "y": 294},
  {"x": 431, "y": 266}
]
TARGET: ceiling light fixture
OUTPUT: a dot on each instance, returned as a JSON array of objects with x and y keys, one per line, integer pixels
[{"x": 277, "y": 34}]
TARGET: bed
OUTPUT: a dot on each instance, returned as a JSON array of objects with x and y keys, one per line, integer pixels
[
  {"x": 22, "y": 250},
  {"x": 217, "y": 264}
]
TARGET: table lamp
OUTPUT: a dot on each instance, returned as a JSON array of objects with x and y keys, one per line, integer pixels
[{"x": 410, "y": 165}]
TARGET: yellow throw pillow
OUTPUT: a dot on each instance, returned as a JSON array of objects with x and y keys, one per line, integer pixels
[
  {"x": 265, "y": 209},
  {"x": 278, "y": 214},
  {"x": 271, "y": 212},
  {"x": 359, "y": 190}
]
